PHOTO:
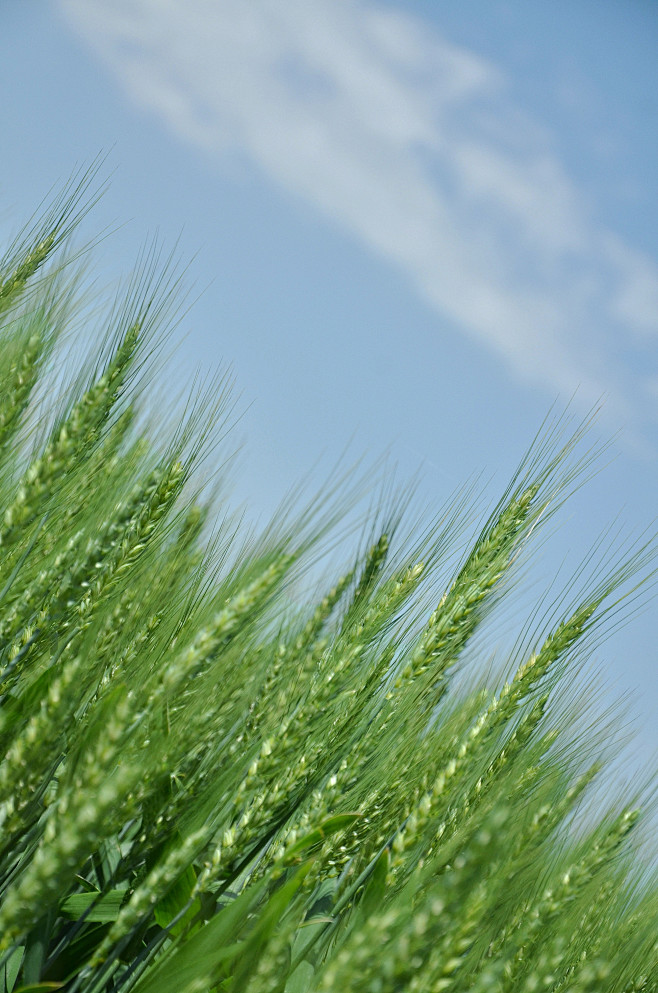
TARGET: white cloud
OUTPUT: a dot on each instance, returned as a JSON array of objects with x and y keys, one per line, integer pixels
[{"x": 409, "y": 143}]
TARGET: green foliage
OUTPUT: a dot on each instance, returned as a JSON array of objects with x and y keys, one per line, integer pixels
[{"x": 207, "y": 784}]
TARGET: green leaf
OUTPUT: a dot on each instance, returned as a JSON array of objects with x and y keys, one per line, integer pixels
[
  {"x": 375, "y": 887},
  {"x": 104, "y": 909},
  {"x": 214, "y": 943},
  {"x": 10, "y": 969},
  {"x": 270, "y": 918},
  {"x": 170, "y": 906},
  {"x": 17, "y": 709},
  {"x": 86, "y": 885},
  {"x": 301, "y": 979},
  {"x": 316, "y": 922},
  {"x": 77, "y": 948},
  {"x": 109, "y": 855},
  {"x": 178, "y": 895},
  {"x": 36, "y": 946},
  {"x": 39, "y": 988}
]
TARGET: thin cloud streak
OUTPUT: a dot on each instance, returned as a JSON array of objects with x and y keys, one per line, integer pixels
[{"x": 413, "y": 146}]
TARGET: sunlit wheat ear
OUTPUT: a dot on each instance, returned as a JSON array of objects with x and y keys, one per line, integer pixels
[
  {"x": 82, "y": 564},
  {"x": 561, "y": 894},
  {"x": 556, "y": 646},
  {"x": 79, "y": 432},
  {"x": 46, "y": 233},
  {"x": 29, "y": 335},
  {"x": 18, "y": 382},
  {"x": 422, "y": 938},
  {"x": 110, "y": 632},
  {"x": 589, "y": 936},
  {"x": 127, "y": 537},
  {"x": 106, "y": 466},
  {"x": 547, "y": 818},
  {"x": 321, "y": 614},
  {"x": 450, "y": 790},
  {"x": 144, "y": 898},
  {"x": 339, "y": 672},
  {"x": 225, "y": 624},
  {"x": 453, "y": 797},
  {"x": 85, "y": 813},
  {"x": 373, "y": 565},
  {"x": 89, "y": 578},
  {"x": 31, "y": 759},
  {"x": 293, "y": 664},
  {"x": 12, "y": 286},
  {"x": 35, "y": 595},
  {"x": 550, "y": 815},
  {"x": 466, "y": 803},
  {"x": 392, "y": 596},
  {"x": 460, "y": 610},
  {"x": 384, "y": 610}
]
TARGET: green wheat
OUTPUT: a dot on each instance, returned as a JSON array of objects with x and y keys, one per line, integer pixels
[{"x": 211, "y": 781}]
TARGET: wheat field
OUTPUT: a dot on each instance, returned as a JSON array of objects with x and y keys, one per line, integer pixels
[{"x": 211, "y": 782}]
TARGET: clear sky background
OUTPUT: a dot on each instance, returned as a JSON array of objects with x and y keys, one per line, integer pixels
[{"x": 416, "y": 225}]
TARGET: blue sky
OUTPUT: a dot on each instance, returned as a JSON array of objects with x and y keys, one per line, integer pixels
[{"x": 415, "y": 226}]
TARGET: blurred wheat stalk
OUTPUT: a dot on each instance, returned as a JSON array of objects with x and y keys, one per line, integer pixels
[{"x": 206, "y": 786}]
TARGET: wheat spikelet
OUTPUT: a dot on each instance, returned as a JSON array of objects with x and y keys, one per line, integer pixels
[
  {"x": 557, "y": 897},
  {"x": 78, "y": 433},
  {"x": 17, "y": 386},
  {"x": 76, "y": 822},
  {"x": 32, "y": 759},
  {"x": 458, "y": 614},
  {"x": 13, "y": 285}
]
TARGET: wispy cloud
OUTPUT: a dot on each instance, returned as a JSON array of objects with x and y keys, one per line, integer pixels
[{"x": 413, "y": 146}]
